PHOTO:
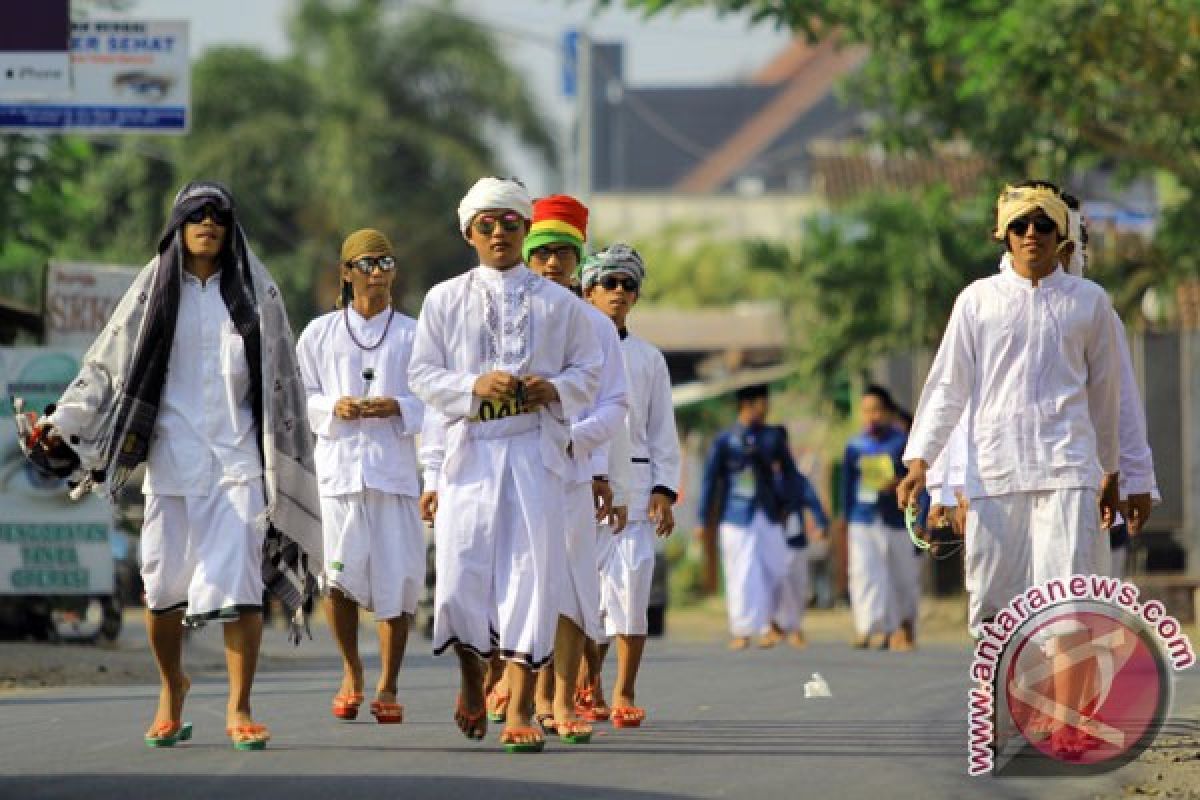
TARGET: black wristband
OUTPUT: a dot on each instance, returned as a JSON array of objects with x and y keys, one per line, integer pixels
[{"x": 601, "y": 478}]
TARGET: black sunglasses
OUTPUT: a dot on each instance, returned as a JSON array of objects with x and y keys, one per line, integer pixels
[
  {"x": 509, "y": 222},
  {"x": 209, "y": 211},
  {"x": 1042, "y": 225},
  {"x": 545, "y": 252},
  {"x": 367, "y": 264},
  {"x": 611, "y": 282}
]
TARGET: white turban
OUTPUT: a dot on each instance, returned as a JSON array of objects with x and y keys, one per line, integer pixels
[{"x": 494, "y": 193}]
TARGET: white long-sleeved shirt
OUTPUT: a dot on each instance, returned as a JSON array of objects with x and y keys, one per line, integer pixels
[
  {"x": 653, "y": 440},
  {"x": 353, "y": 455},
  {"x": 948, "y": 473},
  {"x": 536, "y": 328},
  {"x": 204, "y": 432},
  {"x": 1037, "y": 371},
  {"x": 592, "y": 431}
]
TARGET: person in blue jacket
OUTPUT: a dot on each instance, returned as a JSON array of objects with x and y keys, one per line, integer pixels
[
  {"x": 792, "y": 598},
  {"x": 883, "y": 569},
  {"x": 744, "y": 492}
]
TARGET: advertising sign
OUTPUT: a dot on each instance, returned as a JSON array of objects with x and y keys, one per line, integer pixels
[
  {"x": 49, "y": 544},
  {"x": 80, "y": 298},
  {"x": 126, "y": 75},
  {"x": 34, "y": 57}
]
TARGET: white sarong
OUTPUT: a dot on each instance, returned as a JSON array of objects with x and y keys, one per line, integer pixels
[
  {"x": 500, "y": 546},
  {"x": 793, "y": 591},
  {"x": 755, "y": 559},
  {"x": 581, "y": 600},
  {"x": 1019, "y": 540},
  {"x": 375, "y": 550},
  {"x": 871, "y": 581},
  {"x": 626, "y": 563},
  {"x": 204, "y": 553}
]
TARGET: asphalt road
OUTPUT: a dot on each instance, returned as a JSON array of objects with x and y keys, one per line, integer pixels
[{"x": 720, "y": 725}]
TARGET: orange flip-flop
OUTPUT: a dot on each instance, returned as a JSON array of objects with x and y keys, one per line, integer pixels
[
  {"x": 586, "y": 708},
  {"x": 387, "y": 713},
  {"x": 509, "y": 734},
  {"x": 468, "y": 723},
  {"x": 168, "y": 734},
  {"x": 497, "y": 705},
  {"x": 345, "y": 706},
  {"x": 249, "y": 737},
  {"x": 628, "y": 716}
]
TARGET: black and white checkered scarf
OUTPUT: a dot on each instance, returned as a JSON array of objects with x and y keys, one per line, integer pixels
[{"x": 123, "y": 374}]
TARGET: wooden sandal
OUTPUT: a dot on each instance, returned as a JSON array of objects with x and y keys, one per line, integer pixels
[
  {"x": 575, "y": 731},
  {"x": 386, "y": 713},
  {"x": 168, "y": 734},
  {"x": 249, "y": 737},
  {"x": 628, "y": 716},
  {"x": 510, "y": 746},
  {"x": 345, "y": 706}
]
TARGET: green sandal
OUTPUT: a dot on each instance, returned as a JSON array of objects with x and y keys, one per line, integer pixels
[
  {"x": 168, "y": 735},
  {"x": 521, "y": 747}
]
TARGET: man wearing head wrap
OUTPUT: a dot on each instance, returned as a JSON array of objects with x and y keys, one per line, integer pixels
[
  {"x": 749, "y": 475},
  {"x": 354, "y": 362},
  {"x": 1031, "y": 356},
  {"x": 195, "y": 376},
  {"x": 506, "y": 359},
  {"x": 611, "y": 281},
  {"x": 554, "y": 249},
  {"x": 1138, "y": 483}
]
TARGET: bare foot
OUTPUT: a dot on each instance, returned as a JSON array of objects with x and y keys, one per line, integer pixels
[
  {"x": 470, "y": 712},
  {"x": 796, "y": 639},
  {"x": 170, "y": 702},
  {"x": 739, "y": 643},
  {"x": 352, "y": 682},
  {"x": 771, "y": 638}
]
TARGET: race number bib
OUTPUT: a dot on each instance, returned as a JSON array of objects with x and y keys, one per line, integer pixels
[{"x": 490, "y": 410}]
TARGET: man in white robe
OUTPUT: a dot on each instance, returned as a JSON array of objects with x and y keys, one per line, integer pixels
[
  {"x": 1030, "y": 355},
  {"x": 507, "y": 359},
  {"x": 354, "y": 363},
  {"x": 553, "y": 250},
  {"x": 611, "y": 281}
]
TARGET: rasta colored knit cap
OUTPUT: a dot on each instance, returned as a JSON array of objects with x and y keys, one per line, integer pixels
[
  {"x": 558, "y": 218},
  {"x": 367, "y": 241}
]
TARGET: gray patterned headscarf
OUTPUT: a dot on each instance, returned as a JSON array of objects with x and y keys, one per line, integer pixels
[{"x": 615, "y": 258}]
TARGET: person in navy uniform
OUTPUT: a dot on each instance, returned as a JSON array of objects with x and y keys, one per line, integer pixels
[{"x": 744, "y": 494}]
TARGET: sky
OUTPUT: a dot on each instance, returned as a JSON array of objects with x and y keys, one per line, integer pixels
[{"x": 671, "y": 49}]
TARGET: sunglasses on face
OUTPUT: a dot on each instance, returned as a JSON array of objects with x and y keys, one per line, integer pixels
[
  {"x": 546, "y": 252},
  {"x": 1042, "y": 225},
  {"x": 610, "y": 283},
  {"x": 209, "y": 211},
  {"x": 367, "y": 264},
  {"x": 509, "y": 222}
]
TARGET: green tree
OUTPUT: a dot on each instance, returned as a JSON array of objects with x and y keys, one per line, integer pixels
[{"x": 687, "y": 267}]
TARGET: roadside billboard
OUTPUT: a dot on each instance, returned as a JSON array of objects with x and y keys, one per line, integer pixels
[
  {"x": 79, "y": 300},
  {"x": 126, "y": 76},
  {"x": 49, "y": 544},
  {"x": 35, "y": 58}
]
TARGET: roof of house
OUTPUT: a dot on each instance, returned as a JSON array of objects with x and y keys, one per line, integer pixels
[{"x": 705, "y": 138}]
